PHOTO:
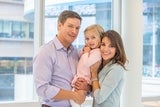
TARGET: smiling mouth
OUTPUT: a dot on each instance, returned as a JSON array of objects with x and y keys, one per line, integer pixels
[
  {"x": 91, "y": 45},
  {"x": 106, "y": 53}
]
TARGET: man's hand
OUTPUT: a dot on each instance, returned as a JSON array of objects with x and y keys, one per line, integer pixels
[{"x": 79, "y": 96}]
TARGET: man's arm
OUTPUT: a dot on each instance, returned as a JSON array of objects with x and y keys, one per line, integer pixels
[{"x": 78, "y": 96}]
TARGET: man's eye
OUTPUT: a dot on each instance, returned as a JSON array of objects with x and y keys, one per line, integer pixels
[
  {"x": 78, "y": 28},
  {"x": 70, "y": 26}
]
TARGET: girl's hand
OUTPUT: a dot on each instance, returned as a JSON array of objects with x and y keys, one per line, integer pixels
[
  {"x": 86, "y": 49},
  {"x": 81, "y": 84}
]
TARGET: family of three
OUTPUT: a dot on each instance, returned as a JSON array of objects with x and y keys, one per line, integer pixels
[{"x": 63, "y": 76}]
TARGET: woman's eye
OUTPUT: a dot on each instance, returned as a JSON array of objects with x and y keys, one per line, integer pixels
[
  {"x": 102, "y": 44},
  {"x": 111, "y": 46}
]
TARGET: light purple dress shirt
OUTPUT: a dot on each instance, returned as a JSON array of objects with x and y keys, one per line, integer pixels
[{"x": 54, "y": 68}]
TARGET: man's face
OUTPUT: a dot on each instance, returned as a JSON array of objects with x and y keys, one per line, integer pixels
[{"x": 68, "y": 31}]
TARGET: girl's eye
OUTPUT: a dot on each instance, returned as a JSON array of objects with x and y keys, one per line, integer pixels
[
  {"x": 93, "y": 37},
  {"x": 86, "y": 38}
]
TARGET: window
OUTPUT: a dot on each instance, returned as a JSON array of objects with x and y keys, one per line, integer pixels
[
  {"x": 151, "y": 39},
  {"x": 13, "y": 70},
  {"x": 16, "y": 52},
  {"x": 151, "y": 50},
  {"x": 16, "y": 29}
]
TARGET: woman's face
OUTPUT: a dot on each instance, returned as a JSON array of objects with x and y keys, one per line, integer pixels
[{"x": 107, "y": 50}]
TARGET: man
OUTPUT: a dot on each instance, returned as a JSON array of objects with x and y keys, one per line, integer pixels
[{"x": 55, "y": 65}]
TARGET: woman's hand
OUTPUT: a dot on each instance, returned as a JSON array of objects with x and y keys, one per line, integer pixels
[
  {"x": 94, "y": 75},
  {"x": 94, "y": 68}
]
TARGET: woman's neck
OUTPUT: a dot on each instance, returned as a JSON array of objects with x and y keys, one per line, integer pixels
[{"x": 105, "y": 62}]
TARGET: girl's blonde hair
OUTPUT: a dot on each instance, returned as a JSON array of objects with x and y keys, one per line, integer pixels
[{"x": 97, "y": 28}]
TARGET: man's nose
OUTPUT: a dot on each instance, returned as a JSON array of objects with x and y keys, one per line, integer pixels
[{"x": 74, "y": 30}]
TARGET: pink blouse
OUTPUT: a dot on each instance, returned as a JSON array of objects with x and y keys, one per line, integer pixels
[{"x": 86, "y": 60}]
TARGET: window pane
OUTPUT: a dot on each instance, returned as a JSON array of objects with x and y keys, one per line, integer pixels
[
  {"x": 7, "y": 29},
  {"x": 14, "y": 71},
  {"x": 16, "y": 29},
  {"x": 7, "y": 87},
  {"x": 31, "y": 30},
  {"x": 91, "y": 12}
]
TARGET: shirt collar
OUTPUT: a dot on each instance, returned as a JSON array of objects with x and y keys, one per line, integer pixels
[{"x": 59, "y": 45}]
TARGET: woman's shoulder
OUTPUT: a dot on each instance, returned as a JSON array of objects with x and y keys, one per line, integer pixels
[{"x": 116, "y": 67}]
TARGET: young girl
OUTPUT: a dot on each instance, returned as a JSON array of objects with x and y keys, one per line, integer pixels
[
  {"x": 90, "y": 54},
  {"x": 108, "y": 79}
]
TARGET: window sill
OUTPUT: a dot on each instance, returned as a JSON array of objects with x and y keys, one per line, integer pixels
[
  {"x": 20, "y": 104},
  {"x": 150, "y": 89}
]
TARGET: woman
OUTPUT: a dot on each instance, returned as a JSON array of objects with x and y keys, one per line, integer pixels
[{"x": 108, "y": 76}]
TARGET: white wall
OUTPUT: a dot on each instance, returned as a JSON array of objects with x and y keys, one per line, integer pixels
[
  {"x": 132, "y": 34},
  {"x": 23, "y": 87}
]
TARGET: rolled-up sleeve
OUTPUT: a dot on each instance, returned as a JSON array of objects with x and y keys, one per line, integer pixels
[{"x": 42, "y": 71}]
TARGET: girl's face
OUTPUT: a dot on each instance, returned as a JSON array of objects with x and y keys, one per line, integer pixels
[
  {"x": 92, "y": 39},
  {"x": 107, "y": 50}
]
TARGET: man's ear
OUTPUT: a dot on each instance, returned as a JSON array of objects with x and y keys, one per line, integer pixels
[{"x": 59, "y": 25}]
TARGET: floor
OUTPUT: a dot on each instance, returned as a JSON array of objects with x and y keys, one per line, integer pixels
[
  {"x": 151, "y": 93},
  {"x": 151, "y": 104}
]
